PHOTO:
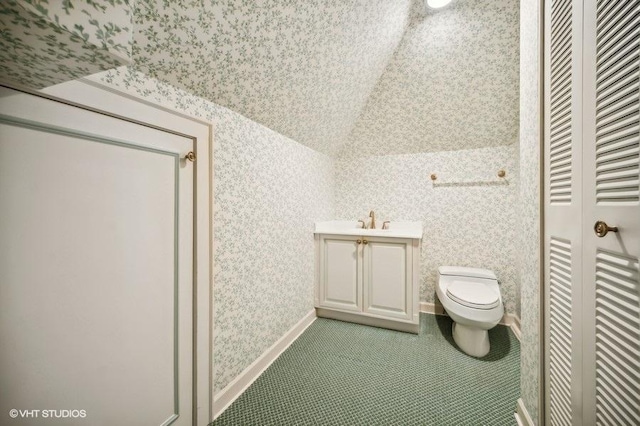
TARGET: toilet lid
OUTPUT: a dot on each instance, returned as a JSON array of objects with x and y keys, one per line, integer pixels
[{"x": 473, "y": 295}]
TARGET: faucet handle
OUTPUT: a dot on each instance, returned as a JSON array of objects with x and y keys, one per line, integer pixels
[
  {"x": 363, "y": 224},
  {"x": 385, "y": 224}
]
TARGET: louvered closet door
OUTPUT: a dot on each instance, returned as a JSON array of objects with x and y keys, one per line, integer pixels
[
  {"x": 592, "y": 283},
  {"x": 611, "y": 368},
  {"x": 563, "y": 203}
]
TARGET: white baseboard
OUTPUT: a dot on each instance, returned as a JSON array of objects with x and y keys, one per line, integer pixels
[
  {"x": 223, "y": 399},
  {"x": 510, "y": 320},
  {"x": 432, "y": 308},
  {"x": 522, "y": 415},
  {"x": 515, "y": 327}
]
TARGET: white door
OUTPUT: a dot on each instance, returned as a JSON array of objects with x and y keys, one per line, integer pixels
[
  {"x": 563, "y": 237},
  {"x": 593, "y": 357},
  {"x": 611, "y": 289},
  {"x": 340, "y": 273},
  {"x": 388, "y": 277},
  {"x": 96, "y": 268}
]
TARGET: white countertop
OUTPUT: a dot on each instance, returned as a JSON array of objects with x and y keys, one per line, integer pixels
[{"x": 397, "y": 229}]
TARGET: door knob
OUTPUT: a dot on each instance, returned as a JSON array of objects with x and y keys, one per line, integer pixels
[
  {"x": 365, "y": 242},
  {"x": 602, "y": 228},
  {"x": 359, "y": 241}
]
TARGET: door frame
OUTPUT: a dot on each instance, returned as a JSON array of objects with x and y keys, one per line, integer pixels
[
  {"x": 522, "y": 415},
  {"x": 102, "y": 99}
]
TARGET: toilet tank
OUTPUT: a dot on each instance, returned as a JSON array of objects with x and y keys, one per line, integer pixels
[{"x": 463, "y": 271}]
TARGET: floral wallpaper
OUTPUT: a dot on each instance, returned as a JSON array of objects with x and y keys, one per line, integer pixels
[
  {"x": 323, "y": 72},
  {"x": 44, "y": 43},
  {"x": 106, "y": 24},
  {"x": 451, "y": 84},
  {"x": 469, "y": 215},
  {"x": 303, "y": 68},
  {"x": 529, "y": 211},
  {"x": 268, "y": 193}
]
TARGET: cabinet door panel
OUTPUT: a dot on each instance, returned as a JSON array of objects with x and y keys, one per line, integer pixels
[
  {"x": 388, "y": 278},
  {"x": 340, "y": 274},
  {"x": 96, "y": 266}
]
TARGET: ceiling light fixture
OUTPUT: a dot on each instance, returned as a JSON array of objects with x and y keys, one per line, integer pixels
[{"x": 437, "y": 4}]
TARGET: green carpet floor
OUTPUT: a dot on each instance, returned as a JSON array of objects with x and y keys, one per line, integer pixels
[{"x": 337, "y": 373}]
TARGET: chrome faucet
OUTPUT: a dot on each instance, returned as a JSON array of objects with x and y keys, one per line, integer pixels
[{"x": 372, "y": 215}]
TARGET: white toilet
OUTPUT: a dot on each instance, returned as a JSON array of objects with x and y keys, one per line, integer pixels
[{"x": 471, "y": 297}]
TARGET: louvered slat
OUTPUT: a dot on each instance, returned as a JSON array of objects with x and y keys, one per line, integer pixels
[
  {"x": 617, "y": 339},
  {"x": 618, "y": 102},
  {"x": 560, "y": 331},
  {"x": 560, "y": 137}
]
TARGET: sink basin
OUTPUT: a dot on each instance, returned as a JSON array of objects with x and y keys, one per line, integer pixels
[{"x": 398, "y": 229}]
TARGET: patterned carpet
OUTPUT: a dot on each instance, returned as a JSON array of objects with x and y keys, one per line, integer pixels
[{"x": 337, "y": 373}]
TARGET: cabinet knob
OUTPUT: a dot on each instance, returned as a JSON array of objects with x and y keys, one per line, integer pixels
[
  {"x": 365, "y": 242},
  {"x": 359, "y": 241}
]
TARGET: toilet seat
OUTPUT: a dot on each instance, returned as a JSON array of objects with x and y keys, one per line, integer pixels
[{"x": 473, "y": 295}]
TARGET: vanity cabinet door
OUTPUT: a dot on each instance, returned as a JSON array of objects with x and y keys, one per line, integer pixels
[
  {"x": 388, "y": 277},
  {"x": 340, "y": 273}
]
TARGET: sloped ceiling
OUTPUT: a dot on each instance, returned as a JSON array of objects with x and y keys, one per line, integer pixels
[
  {"x": 304, "y": 68},
  {"x": 345, "y": 77},
  {"x": 452, "y": 84},
  {"x": 44, "y": 43}
]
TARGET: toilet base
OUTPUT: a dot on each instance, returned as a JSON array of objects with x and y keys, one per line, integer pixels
[{"x": 471, "y": 340}]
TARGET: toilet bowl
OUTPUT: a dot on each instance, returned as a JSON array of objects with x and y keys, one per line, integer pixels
[{"x": 471, "y": 297}]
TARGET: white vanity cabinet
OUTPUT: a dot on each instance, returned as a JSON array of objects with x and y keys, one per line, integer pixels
[{"x": 368, "y": 279}]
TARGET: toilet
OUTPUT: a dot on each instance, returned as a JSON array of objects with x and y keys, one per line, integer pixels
[{"x": 471, "y": 297}]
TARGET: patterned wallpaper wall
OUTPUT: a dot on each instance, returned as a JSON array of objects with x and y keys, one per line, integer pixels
[
  {"x": 269, "y": 191},
  {"x": 301, "y": 67},
  {"x": 529, "y": 212},
  {"x": 465, "y": 222},
  {"x": 451, "y": 84},
  {"x": 44, "y": 43}
]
